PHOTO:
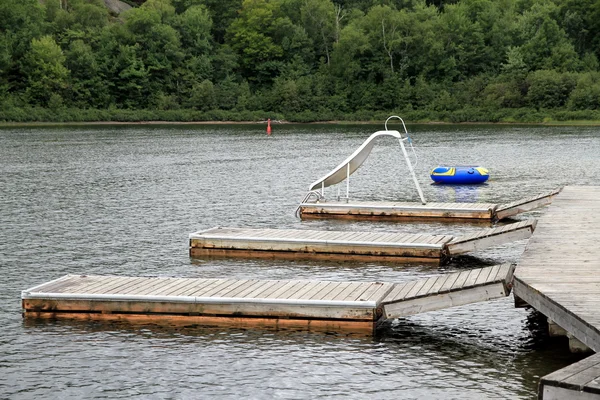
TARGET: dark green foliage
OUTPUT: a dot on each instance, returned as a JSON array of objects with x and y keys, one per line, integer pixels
[{"x": 302, "y": 60}]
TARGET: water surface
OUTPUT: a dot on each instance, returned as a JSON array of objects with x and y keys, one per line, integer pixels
[{"x": 122, "y": 200}]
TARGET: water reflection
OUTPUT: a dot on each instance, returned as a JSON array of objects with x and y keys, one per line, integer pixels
[{"x": 459, "y": 193}]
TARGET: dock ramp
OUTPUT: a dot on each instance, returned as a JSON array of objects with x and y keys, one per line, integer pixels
[
  {"x": 450, "y": 290},
  {"x": 520, "y": 206},
  {"x": 491, "y": 237}
]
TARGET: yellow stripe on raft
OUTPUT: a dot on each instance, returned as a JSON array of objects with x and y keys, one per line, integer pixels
[
  {"x": 450, "y": 172},
  {"x": 482, "y": 171}
]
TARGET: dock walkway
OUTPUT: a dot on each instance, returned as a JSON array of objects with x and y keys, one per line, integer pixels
[
  {"x": 559, "y": 272},
  {"x": 345, "y": 245},
  {"x": 299, "y": 304}
]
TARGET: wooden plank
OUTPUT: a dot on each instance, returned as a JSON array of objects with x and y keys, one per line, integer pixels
[
  {"x": 132, "y": 283},
  {"x": 325, "y": 291},
  {"x": 257, "y": 293},
  {"x": 579, "y": 377},
  {"x": 173, "y": 285},
  {"x": 307, "y": 287},
  {"x": 142, "y": 288},
  {"x": 524, "y": 205},
  {"x": 483, "y": 276},
  {"x": 439, "y": 283},
  {"x": 428, "y": 285},
  {"x": 460, "y": 281},
  {"x": 249, "y": 285},
  {"x": 365, "y": 327},
  {"x": 399, "y": 255},
  {"x": 290, "y": 287},
  {"x": 415, "y": 289},
  {"x": 490, "y": 237},
  {"x": 440, "y": 301},
  {"x": 89, "y": 283},
  {"x": 448, "y": 283},
  {"x": 336, "y": 291},
  {"x": 215, "y": 283},
  {"x": 199, "y": 285},
  {"x": 393, "y": 294},
  {"x": 374, "y": 291},
  {"x": 256, "y": 286},
  {"x": 228, "y": 283},
  {"x": 273, "y": 288},
  {"x": 472, "y": 278},
  {"x": 404, "y": 291}
]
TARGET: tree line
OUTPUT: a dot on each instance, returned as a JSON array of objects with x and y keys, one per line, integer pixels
[{"x": 301, "y": 60}]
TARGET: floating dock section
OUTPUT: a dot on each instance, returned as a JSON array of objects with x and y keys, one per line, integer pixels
[
  {"x": 577, "y": 381},
  {"x": 409, "y": 210},
  {"x": 559, "y": 275},
  {"x": 297, "y": 304},
  {"x": 344, "y": 245}
]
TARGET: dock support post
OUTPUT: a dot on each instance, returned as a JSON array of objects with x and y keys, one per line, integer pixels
[
  {"x": 555, "y": 330},
  {"x": 520, "y": 303},
  {"x": 575, "y": 345}
]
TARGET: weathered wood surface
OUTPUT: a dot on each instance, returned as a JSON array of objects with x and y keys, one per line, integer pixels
[
  {"x": 383, "y": 246},
  {"x": 278, "y": 303},
  {"x": 558, "y": 273},
  {"x": 449, "y": 290},
  {"x": 491, "y": 237},
  {"x": 354, "y": 306},
  {"x": 397, "y": 210},
  {"x": 318, "y": 244},
  {"x": 520, "y": 206},
  {"x": 403, "y": 210},
  {"x": 577, "y": 381}
]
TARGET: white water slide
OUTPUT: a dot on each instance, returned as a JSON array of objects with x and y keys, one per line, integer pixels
[{"x": 351, "y": 164}]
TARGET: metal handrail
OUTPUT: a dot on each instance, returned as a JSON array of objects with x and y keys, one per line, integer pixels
[{"x": 310, "y": 194}]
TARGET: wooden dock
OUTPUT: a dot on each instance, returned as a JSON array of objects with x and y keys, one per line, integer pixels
[
  {"x": 577, "y": 381},
  {"x": 296, "y": 304},
  {"x": 409, "y": 210},
  {"x": 558, "y": 273},
  {"x": 345, "y": 245}
]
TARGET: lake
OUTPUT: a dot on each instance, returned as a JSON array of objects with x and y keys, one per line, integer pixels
[{"x": 122, "y": 200}]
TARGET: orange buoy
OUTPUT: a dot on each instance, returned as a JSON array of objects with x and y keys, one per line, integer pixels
[{"x": 269, "y": 126}]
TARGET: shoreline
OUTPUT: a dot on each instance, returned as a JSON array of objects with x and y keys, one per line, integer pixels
[{"x": 5, "y": 124}]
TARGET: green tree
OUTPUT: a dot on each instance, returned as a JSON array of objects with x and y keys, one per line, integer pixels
[
  {"x": 194, "y": 26},
  {"x": 318, "y": 17},
  {"x": 44, "y": 70},
  {"x": 549, "y": 89},
  {"x": 20, "y": 22},
  {"x": 545, "y": 44},
  {"x": 586, "y": 95},
  {"x": 87, "y": 88}
]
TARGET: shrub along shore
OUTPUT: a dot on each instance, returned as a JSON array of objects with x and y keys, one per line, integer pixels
[{"x": 468, "y": 115}]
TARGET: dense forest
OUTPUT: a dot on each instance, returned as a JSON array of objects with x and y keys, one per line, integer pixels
[{"x": 300, "y": 60}]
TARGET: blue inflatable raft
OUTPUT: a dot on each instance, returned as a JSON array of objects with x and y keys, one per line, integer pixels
[{"x": 459, "y": 175}]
